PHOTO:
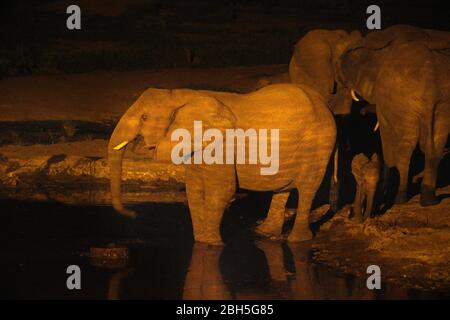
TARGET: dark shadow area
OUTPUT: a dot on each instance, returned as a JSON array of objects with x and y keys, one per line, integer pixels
[{"x": 166, "y": 34}]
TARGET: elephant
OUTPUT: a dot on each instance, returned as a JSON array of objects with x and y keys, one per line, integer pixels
[
  {"x": 317, "y": 54},
  {"x": 313, "y": 63},
  {"x": 405, "y": 72},
  {"x": 306, "y": 139},
  {"x": 366, "y": 172}
]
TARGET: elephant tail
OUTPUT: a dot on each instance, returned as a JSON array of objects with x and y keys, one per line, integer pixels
[{"x": 334, "y": 186}]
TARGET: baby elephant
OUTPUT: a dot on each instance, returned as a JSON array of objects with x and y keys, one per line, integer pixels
[{"x": 366, "y": 173}]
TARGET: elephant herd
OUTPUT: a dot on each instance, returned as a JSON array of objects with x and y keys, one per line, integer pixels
[{"x": 403, "y": 72}]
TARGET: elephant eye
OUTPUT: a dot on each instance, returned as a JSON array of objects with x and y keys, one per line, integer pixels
[{"x": 144, "y": 117}]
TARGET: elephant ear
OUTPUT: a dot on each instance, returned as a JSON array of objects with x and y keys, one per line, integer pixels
[
  {"x": 376, "y": 40},
  {"x": 212, "y": 113},
  {"x": 312, "y": 64},
  {"x": 209, "y": 110}
]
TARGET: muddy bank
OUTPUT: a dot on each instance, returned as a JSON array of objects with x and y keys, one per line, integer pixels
[
  {"x": 79, "y": 173},
  {"x": 410, "y": 243}
]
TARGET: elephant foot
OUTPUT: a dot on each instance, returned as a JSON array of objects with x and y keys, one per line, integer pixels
[
  {"x": 354, "y": 214},
  {"x": 270, "y": 228},
  {"x": 209, "y": 240},
  {"x": 267, "y": 235},
  {"x": 428, "y": 196},
  {"x": 300, "y": 233},
  {"x": 358, "y": 218},
  {"x": 401, "y": 197},
  {"x": 361, "y": 218}
]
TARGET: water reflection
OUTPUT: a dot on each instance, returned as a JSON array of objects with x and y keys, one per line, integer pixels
[
  {"x": 204, "y": 279},
  {"x": 265, "y": 270},
  {"x": 115, "y": 281},
  {"x": 246, "y": 270}
]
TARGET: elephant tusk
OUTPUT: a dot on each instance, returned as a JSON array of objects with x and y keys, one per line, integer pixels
[
  {"x": 121, "y": 145},
  {"x": 376, "y": 126},
  {"x": 335, "y": 171},
  {"x": 354, "y": 97}
]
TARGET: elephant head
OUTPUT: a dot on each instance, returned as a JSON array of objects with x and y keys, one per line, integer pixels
[
  {"x": 358, "y": 64},
  {"x": 154, "y": 117},
  {"x": 366, "y": 172},
  {"x": 314, "y": 64}
]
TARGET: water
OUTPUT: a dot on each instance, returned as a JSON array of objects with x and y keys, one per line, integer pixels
[{"x": 40, "y": 240}]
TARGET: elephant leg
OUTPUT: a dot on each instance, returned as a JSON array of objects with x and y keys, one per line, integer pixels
[
  {"x": 398, "y": 146},
  {"x": 402, "y": 196},
  {"x": 404, "y": 158},
  {"x": 195, "y": 195},
  {"x": 370, "y": 198},
  {"x": 433, "y": 154},
  {"x": 273, "y": 224},
  {"x": 209, "y": 189},
  {"x": 428, "y": 186},
  {"x": 357, "y": 204},
  {"x": 301, "y": 230},
  {"x": 385, "y": 180}
]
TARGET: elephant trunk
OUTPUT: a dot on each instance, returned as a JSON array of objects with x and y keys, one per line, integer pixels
[
  {"x": 115, "y": 167},
  {"x": 125, "y": 132}
]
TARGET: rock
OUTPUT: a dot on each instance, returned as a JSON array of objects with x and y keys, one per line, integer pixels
[{"x": 110, "y": 256}]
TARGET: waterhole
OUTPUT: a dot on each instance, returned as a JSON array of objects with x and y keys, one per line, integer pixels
[{"x": 40, "y": 240}]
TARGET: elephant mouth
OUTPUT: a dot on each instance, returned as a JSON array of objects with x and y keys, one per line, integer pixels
[{"x": 152, "y": 147}]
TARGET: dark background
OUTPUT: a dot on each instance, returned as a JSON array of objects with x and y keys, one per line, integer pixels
[{"x": 134, "y": 34}]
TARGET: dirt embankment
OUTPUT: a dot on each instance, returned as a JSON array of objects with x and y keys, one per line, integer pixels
[{"x": 410, "y": 243}]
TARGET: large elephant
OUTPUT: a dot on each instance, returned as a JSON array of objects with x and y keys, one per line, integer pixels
[
  {"x": 306, "y": 139},
  {"x": 316, "y": 57},
  {"x": 313, "y": 63},
  {"x": 405, "y": 72}
]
